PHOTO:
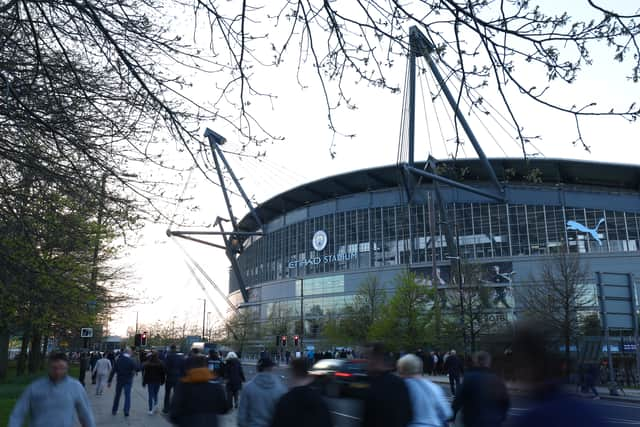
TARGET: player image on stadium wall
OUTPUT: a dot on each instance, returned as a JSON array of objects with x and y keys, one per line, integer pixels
[{"x": 495, "y": 277}]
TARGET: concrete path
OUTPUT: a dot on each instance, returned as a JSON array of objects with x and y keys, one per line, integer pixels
[{"x": 138, "y": 416}]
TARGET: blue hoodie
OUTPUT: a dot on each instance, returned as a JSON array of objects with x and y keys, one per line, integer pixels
[{"x": 259, "y": 399}]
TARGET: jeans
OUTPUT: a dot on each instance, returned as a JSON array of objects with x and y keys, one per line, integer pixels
[
  {"x": 167, "y": 395},
  {"x": 153, "y": 390},
  {"x": 454, "y": 382},
  {"x": 233, "y": 397},
  {"x": 127, "y": 397},
  {"x": 100, "y": 379}
]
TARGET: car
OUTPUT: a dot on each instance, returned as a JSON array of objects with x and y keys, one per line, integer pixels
[{"x": 341, "y": 377}]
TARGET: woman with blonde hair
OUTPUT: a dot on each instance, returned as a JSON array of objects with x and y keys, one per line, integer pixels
[{"x": 430, "y": 407}]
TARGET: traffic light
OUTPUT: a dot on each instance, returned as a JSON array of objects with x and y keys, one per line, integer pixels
[
  {"x": 143, "y": 339},
  {"x": 284, "y": 340},
  {"x": 296, "y": 340},
  {"x": 137, "y": 340}
]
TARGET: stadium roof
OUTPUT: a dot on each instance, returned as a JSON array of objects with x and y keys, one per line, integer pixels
[{"x": 514, "y": 170}]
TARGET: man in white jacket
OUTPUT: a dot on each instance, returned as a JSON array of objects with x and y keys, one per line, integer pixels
[{"x": 102, "y": 370}]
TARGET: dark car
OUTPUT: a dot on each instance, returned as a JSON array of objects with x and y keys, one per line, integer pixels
[{"x": 338, "y": 377}]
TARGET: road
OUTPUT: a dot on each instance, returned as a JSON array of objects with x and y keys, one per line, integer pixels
[{"x": 347, "y": 412}]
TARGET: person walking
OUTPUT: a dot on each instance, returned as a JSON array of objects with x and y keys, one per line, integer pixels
[
  {"x": 215, "y": 364},
  {"x": 592, "y": 372},
  {"x": 301, "y": 405},
  {"x": 101, "y": 370},
  {"x": 153, "y": 376},
  {"x": 234, "y": 376},
  {"x": 194, "y": 359},
  {"x": 387, "y": 402},
  {"x": 199, "y": 398},
  {"x": 84, "y": 366},
  {"x": 112, "y": 358},
  {"x": 541, "y": 373},
  {"x": 453, "y": 367},
  {"x": 95, "y": 356},
  {"x": 53, "y": 401},
  {"x": 482, "y": 399},
  {"x": 260, "y": 396},
  {"x": 174, "y": 368},
  {"x": 428, "y": 364},
  {"x": 430, "y": 407},
  {"x": 125, "y": 368}
]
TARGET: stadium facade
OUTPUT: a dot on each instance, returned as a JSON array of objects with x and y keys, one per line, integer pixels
[{"x": 321, "y": 240}]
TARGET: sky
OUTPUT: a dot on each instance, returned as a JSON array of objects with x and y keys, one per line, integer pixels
[{"x": 167, "y": 289}]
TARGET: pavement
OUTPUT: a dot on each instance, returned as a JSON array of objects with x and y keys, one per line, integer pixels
[
  {"x": 138, "y": 416},
  {"x": 626, "y": 395}
]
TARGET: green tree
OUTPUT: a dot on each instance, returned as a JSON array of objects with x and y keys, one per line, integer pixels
[
  {"x": 352, "y": 324},
  {"x": 406, "y": 321}
]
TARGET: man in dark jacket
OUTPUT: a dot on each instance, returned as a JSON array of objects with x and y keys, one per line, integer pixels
[
  {"x": 302, "y": 405},
  {"x": 95, "y": 356},
  {"x": 198, "y": 399},
  {"x": 125, "y": 368},
  {"x": 482, "y": 397},
  {"x": 215, "y": 364},
  {"x": 387, "y": 403},
  {"x": 453, "y": 367},
  {"x": 174, "y": 364},
  {"x": 84, "y": 366},
  {"x": 194, "y": 359}
]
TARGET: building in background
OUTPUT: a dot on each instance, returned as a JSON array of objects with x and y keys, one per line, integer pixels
[{"x": 323, "y": 239}]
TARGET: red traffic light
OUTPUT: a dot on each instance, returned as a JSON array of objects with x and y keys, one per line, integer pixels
[
  {"x": 296, "y": 339},
  {"x": 284, "y": 340}
]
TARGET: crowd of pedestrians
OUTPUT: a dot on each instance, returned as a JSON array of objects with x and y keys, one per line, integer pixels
[{"x": 199, "y": 388}]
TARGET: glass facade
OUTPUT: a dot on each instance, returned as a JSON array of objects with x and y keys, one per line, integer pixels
[{"x": 401, "y": 235}]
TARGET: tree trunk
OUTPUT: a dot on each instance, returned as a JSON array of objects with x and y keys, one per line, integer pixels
[
  {"x": 5, "y": 337},
  {"x": 45, "y": 342},
  {"x": 22, "y": 357},
  {"x": 35, "y": 353}
]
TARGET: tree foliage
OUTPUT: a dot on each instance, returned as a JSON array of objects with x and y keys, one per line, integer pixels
[
  {"x": 54, "y": 273},
  {"x": 405, "y": 322}
]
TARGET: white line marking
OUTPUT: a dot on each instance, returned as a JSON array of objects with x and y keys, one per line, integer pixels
[{"x": 346, "y": 415}]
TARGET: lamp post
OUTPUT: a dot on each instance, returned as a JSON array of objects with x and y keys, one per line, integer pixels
[
  {"x": 204, "y": 316},
  {"x": 301, "y": 312},
  {"x": 461, "y": 292}
]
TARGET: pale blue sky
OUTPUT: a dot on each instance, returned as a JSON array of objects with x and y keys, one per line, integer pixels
[{"x": 300, "y": 116}]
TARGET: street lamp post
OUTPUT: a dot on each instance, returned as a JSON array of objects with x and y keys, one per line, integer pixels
[
  {"x": 461, "y": 292},
  {"x": 204, "y": 316}
]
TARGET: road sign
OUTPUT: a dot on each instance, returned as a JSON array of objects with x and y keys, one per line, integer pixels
[{"x": 86, "y": 333}]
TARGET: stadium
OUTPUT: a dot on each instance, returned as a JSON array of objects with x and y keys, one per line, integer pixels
[{"x": 318, "y": 242}]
